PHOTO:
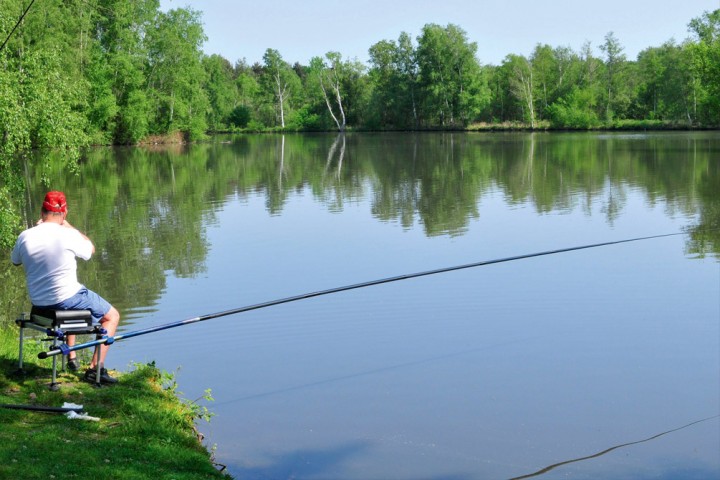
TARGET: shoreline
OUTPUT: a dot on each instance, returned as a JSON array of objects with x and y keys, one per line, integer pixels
[
  {"x": 145, "y": 429},
  {"x": 182, "y": 138}
]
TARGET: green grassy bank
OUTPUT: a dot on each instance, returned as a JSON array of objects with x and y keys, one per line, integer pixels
[{"x": 145, "y": 431}]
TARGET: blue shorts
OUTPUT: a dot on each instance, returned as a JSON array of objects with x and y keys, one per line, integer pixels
[{"x": 85, "y": 300}]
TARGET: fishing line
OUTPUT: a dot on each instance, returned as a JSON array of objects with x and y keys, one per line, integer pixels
[
  {"x": 65, "y": 349},
  {"x": 16, "y": 25},
  {"x": 606, "y": 451},
  {"x": 375, "y": 371}
]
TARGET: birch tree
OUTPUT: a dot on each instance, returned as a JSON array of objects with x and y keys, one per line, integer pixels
[
  {"x": 521, "y": 84},
  {"x": 567, "y": 65},
  {"x": 280, "y": 79},
  {"x": 328, "y": 77}
]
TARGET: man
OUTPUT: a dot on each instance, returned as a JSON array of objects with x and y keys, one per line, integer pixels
[{"x": 47, "y": 252}]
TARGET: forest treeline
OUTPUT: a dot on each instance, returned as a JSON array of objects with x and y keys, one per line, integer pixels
[
  {"x": 88, "y": 72},
  {"x": 118, "y": 71}
]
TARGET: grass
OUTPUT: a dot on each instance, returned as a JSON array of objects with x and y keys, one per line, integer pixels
[{"x": 145, "y": 431}]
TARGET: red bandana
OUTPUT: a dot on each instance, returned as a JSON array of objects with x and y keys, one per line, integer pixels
[{"x": 55, "y": 202}]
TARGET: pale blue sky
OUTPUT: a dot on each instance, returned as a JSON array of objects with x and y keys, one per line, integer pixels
[{"x": 300, "y": 30}]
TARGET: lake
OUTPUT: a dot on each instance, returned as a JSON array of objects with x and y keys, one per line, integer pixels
[{"x": 597, "y": 363}]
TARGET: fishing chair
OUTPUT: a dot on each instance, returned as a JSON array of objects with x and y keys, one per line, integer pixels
[{"x": 58, "y": 324}]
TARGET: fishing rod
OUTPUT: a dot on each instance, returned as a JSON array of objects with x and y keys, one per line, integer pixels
[
  {"x": 66, "y": 349},
  {"x": 16, "y": 25},
  {"x": 41, "y": 408}
]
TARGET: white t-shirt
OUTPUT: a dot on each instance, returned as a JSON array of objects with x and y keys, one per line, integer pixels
[{"x": 47, "y": 252}]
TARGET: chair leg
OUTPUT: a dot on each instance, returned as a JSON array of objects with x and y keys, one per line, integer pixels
[
  {"x": 22, "y": 340},
  {"x": 98, "y": 366},
  {"x": 54, "y": 384}
]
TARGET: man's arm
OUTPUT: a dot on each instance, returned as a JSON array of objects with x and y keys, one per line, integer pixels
[
  {"x": 67, "y": 224},
  {"x": 15, "y": 257}
]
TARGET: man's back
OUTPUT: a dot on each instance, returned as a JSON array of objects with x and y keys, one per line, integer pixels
[{"x": 47, "y": 252}]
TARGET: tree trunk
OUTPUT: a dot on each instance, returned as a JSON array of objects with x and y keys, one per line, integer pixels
[
  {"x": 327, "y": 102},
  {"x": 522, "y": 89},
  {"x": 340, "y": 106},
  {"x": 336, "y": 89},
  {"x": 172, "y": 106},
  {"x": 527, "y": 84},
  {"x": 281, "y": 98}
]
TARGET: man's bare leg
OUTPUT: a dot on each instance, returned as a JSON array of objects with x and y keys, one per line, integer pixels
[{"x": 110, "y": 323}]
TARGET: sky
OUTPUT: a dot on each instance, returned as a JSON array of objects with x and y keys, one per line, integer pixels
[{"x": 300, "y": 30}]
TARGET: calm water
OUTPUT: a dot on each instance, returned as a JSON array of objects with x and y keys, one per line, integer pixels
[{"x": 492, "y": 372}]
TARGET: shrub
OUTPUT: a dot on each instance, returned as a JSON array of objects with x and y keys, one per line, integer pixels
[{"x": 574, "y": 111}]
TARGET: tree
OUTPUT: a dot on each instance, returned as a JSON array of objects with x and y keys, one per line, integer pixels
[
  {"x": 667, "y": 85},
  {"x": 118, "y": 69},
  {"x": 578, "y": 89},
  {"x": 522, "y": 85},
  {"x": 407, "y": 65},
  {"x": 249, "y": 95},
  {"x": 568, "y": 66},
  {"x": 615, "y": 67},
  {"x": 176, "y": 74},
  {"x": 546, "y": 73},
  {"x": 279, "y": 79},
  {"x": 103, "y": 109},
  {"x": 590, "y": 68},
  {"x": 454, "y": 88},
  {"x": 385, "y": 80},
  {"x": 328, "y": 77},
  {"x": 221, "y": 90},
  {"x": 39, "y": 110},
  {"x": 394, "y": 79},
  {"x": 706, "y": 63},
  {"x": 340, "y": 84}
]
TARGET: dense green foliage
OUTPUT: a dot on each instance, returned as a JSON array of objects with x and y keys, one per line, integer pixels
[
  {"x": 81, "y": 72},
  {"x": 115, "y": 71}
]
